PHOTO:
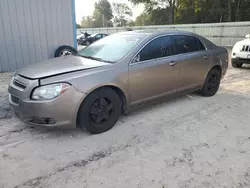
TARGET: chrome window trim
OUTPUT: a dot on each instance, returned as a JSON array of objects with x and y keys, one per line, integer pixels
[{"x": 163, "y": 35}]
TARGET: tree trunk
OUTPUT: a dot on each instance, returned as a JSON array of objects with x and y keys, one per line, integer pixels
[
  {"x": 238, "y": 11},
  {"x": 193, "y": 11},
  {"x": 171, "y": 15},
  {"x": 229, "y": 11},
  {"x": 171, "y": 11}
]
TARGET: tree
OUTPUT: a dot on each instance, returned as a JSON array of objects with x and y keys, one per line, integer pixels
[
  {"x": 87, "y": 22},
  {"x": 122, "y": 14},
  {"x": 143, "y": 19},
  {"x": 167, "y": 5},
  {"x": 194, "y": 11},
  {"x": 78, "y": 26},
  {"x": 102, "y": 14},
  {"x": 153, "y": 17}
]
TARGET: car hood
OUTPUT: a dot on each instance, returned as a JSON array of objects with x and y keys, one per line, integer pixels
[{"x": 58, "y": 66}]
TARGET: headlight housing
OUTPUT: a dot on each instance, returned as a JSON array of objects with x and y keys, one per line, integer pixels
[{"x": 49, "y": 92}]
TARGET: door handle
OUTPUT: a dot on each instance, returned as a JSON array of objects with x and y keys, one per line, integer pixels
[
  {"x": 206, "y": 56},
  {"x": 172, "y": 63}
]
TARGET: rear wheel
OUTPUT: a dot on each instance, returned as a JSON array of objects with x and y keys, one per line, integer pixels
[
  {"x": 237, "y": 65},
  {"x": 100, "y": 111},
  {"x": 212, "y": 83}
]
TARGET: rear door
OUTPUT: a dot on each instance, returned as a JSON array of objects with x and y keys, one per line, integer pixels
[
  {"x": 152, "y": 74},
  {"x": 193, "y": 61}
]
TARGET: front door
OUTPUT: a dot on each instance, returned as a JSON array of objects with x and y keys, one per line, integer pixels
[{"x": 153, "y": 73}]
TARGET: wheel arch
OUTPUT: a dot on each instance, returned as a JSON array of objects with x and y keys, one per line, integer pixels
[
  {"x": 119, "y": 91},
  {"x": 218, "y": 67}
]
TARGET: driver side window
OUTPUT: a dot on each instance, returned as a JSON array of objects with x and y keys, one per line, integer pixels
[{"x": 157, "y": 48}]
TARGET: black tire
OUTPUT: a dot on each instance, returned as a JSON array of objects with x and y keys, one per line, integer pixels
[
  {"x": 64, "y": 50},
  {"x": 88, "y": 43},
  {"x": 212, "y": 83},
  {"x": 97, "y": 116},
  {"x": 237, "y": 65}
]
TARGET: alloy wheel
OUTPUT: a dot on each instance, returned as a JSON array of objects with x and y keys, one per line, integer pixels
[
  {"x": 65, "y": 52},
  {"x": 213, "y": 82},
  {"x": 101, "y": 111}
]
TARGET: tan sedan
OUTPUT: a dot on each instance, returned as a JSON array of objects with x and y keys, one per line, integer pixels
[{"x": 92, "y": 88}]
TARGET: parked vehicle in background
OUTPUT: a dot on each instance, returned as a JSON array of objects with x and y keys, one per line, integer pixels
[
  {"x": 92, "y": 38},
  {"x": 79, "y": 37},
  {"x": 241, "y": 52},
  {"x": 82, "y": 36},
  {"x": 112, "y": 75}
]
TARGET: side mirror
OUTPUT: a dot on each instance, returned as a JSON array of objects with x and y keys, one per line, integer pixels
[
  {"x": 137, "y": 58},
  {"x": 248, "y": 36}
]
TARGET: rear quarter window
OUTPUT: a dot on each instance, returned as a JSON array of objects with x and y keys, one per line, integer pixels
[
  {"x": 201, "y": 45},
  {"x": 186, "y": 44}
]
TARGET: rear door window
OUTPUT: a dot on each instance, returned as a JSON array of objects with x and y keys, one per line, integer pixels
[
  {"x": 185, "y": 44},
  {"x": 159, "y": 47}
]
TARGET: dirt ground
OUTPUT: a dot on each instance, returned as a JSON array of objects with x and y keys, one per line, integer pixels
[{"x": 188, "y": 142}]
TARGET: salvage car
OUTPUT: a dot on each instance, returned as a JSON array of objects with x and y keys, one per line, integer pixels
[
  {"x": 90, "y": 39},
  {"x": 82, "y": 36},
  {"x": 79, "y": 37},
  {"x": 241, "y": 52},
  {"x": 93, "y": 88}
]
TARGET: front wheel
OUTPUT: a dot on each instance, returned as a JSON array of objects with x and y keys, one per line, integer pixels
[
  {"x": 212, "y": 83},
  {"x": 100, "y": 111}
]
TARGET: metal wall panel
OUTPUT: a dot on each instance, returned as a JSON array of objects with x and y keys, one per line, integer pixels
[
  {"x": 222, "y": 34},
  {"x": 31, "y": 30}
]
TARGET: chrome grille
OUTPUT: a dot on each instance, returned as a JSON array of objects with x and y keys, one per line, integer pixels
[
  {"x": 245, "y": 48},
  {"x": 19, "y": 84}
]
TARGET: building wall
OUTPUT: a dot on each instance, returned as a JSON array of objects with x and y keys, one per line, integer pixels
[
  {"x": 31, "y": 30},
  {"x": 222, "y": 34}
]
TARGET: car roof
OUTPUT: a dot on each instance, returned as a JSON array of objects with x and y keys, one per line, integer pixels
[
  {"x": 157, "y": 32},
  {"x": 151, "y": 34}
]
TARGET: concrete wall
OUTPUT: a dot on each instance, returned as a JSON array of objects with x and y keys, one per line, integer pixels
[
  {"x": 31, "y": 30},
  {"x": 222, "y": 34}
]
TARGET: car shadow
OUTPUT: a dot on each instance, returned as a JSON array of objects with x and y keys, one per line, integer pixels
[
  {"x": 246, "y": 67},
  {"x": 163, "y": 102}
]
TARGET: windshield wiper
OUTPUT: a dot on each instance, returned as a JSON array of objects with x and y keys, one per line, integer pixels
[{"x": 96, "y": 58}]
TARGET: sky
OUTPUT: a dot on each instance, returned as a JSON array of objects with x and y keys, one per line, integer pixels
[{"x": 86, "y": 7}]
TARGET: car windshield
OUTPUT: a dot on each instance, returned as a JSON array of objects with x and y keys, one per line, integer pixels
[{"x": 111, "y": 48}]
